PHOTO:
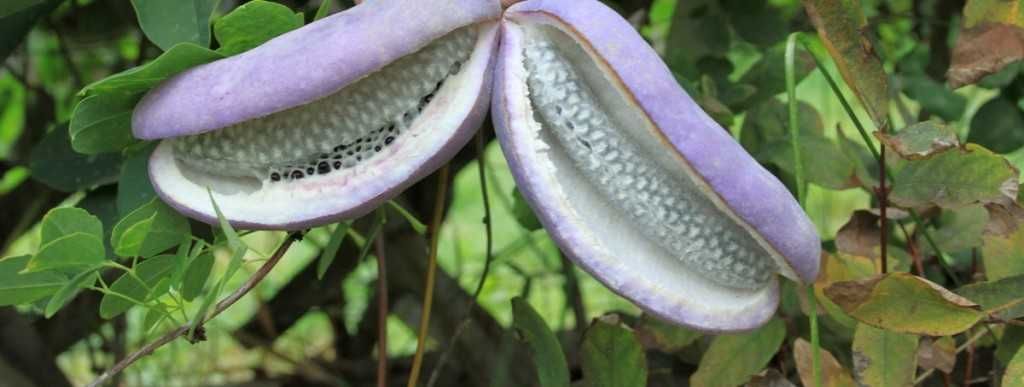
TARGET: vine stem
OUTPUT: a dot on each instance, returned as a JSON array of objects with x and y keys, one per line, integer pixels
[
  {"x": 489, "y": 257},
  {"x": 223, "y": 305},
  {"x": 428, "y": 293},
  {"x": 382, "y": 314},
  {"x": 794, "y": 138}
]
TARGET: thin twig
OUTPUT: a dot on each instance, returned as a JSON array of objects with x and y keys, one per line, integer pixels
[
  {"x": 489, "y": 257},
  {"x": 231, "y": 299},
  {"x": 428, "y": 293},
  {"x": 912, "y": 249},
  {"x": 883, "y": 204},
  {"x": 382, "y": 314}
]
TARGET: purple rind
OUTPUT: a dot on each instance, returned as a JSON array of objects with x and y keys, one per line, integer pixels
[
  {"x": 300, "y": 66},
  {"x": 754, "y": 194},
  {"x": 456, "y": 142},
  {"x": 582, "y": 249}
]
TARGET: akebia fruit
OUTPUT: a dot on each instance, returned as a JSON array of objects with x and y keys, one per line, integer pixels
[
  {"x": 633, "y": 181},
  {"x": 327, "y": 121}
]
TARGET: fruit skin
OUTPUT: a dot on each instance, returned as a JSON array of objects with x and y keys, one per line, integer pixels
[
  {"x": 300, "y": 66},
  {"x": 750, "y": 191},
  {"x": 189, "y": 103}
]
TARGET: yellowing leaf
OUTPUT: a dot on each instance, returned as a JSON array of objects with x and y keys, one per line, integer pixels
[
  {"x": 832, "y": 373},
  {"x": 884, "y": 358},
  {"x": 956, "y": 178},
  {"x": 841, "y": 25},
  {"x": 1003, "y": 256},
  {"x": 905, "y": 303}
]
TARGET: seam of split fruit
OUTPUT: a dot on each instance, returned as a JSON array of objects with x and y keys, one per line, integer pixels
[{"x": 633, "y": 181}]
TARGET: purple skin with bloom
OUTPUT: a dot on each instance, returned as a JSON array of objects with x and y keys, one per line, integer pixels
[
  {"x": 282, "y": 74},
  {"x": 728, "y": 174}
]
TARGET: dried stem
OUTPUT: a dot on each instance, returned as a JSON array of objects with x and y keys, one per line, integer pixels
[
  {"x": 883, "y": 204},
  {"x": 231, "y": 299},
  {"x": 428, "y": 293},
  {"x": 382, "y": 314}
]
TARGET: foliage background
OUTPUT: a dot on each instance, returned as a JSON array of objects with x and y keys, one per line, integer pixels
[{"x": 64, "y": 143}]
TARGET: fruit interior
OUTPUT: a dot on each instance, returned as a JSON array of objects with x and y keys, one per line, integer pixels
[
  {"x": 611, "y": 159},
  {"x": 332, "y": 134}
]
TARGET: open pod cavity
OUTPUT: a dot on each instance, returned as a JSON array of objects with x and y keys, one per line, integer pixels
[
  {"x": 325, "y": 122},
  {"x": 636, "y": 183}
]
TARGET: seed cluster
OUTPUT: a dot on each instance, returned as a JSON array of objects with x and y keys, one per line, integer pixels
[
  {"x": 682, "y": 221},
  {"x": 336, "y": 132}
]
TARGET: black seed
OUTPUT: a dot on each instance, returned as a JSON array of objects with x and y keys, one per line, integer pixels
[
  {"x": 359, "y": 158},
  {"x": 387, "y": 141},
  {"x": 428, "y": 98},
  {"x": 275, "y": 176},
  {"x": 391, "y": 128},
  {"x": 359, "y": 148},
  {"x": 376, "y": 148},
  {"x": 337, "y": 165},
  {"x": 324, "y": 156},
  {"x": 439, "y": 84},
  {"x": 297, "y": 175},
  {"x": 339, "y": 148},
  {"x": 310, "y": 170},
  {"x": 350, "y": 153},
  {"x": 359, "y": 140},
  {"x": 323, "y": 167},
  {"x": 337, "y": 157}
]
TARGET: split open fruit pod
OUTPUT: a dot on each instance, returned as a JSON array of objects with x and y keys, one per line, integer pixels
[
  {"x": 325, "y": 122},
  {"x": 633, "y": 180}
]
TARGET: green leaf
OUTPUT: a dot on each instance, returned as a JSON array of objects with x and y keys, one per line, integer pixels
[
  {"x": 252, "y": 24},
  {"x": 838, "y": 173},
  {"x": 552, "y": 370},
  {"x": 140, "y": 79},
  {"x": 905, "y": 303},
  {"x": 1003, "y": 256},
  {"x": 15, "y": 26},
  {"x": 149, "y": 230},
  {"x": 103, "y": 123},
  {"x": 170, "y": 22},
  {"x": 935, "y": 97},
  {"x": 133, "y": 187},
  {"x": 151, "y": 271},
  {"x": 196, "y": 276},
  {"x": 960, "y": 229},
  {"x": 884, "y": 358},
  {"x": 997, "y": 126},
  {"x": 56, "y": 164},
  {"x": 699, "y": 30},
  {"x": 331, "y": 251},
  {"x": 18, "y": 288},
  {"x": 324, "y": 10},
  {"x": 920, "y": 140},
  {"x": 69, "y": 290},
  {"x": 13, "y": 6},
  {"x": 840, "y": 24},
  {"x": 416, "y": 224},
  {"x": 1004, "y": 296},
  {"x": 612, "y": 356},
  {"x": 68, "y": 220},
  {"x": 1010, "y": 343},
  {"x": 523, "y": 213},
  {"x": 768, "y": 77},
  {"x": 954, "y": 179},
  {"x": 1014, "y": 376},
  {"x": 75, "y": 251},
  {"x": 733, "y": 358},
  {"x": 238, "y": 250}
]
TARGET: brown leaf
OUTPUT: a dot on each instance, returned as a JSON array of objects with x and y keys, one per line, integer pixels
[
  {"x": 851, "y": 294},
  {"x": 769, "y": 378},
  {"x": 937, "y": 353},
  {"x": 842, "y": 27},
  {"x": 1003, "y": 220},
  {"x": 920, "y": 140},
  {"x": 984, "y": 49},
  {"x": 859, "y": 236},
  {"x": 832, "y": 373}
]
